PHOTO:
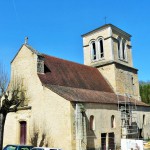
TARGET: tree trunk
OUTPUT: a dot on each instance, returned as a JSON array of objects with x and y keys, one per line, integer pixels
[{"x": 2, "y": 123}]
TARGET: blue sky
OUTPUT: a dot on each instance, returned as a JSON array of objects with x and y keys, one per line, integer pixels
[{"x": 55, "y": 27}]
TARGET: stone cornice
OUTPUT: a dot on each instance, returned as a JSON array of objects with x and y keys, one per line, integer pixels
[
  {"x": 21, "y": 108},
  {"x": 113, "y": 62},
  {"x": 106, "y": 26}
]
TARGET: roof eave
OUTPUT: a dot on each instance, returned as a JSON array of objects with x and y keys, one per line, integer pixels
[
  {"x": 105, "y": 26},
  {"x": 17, "y": 53}
]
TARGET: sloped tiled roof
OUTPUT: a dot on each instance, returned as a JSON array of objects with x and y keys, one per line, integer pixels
[
  {"x": 70, "y": 74},
  {"x": 78, "y": 83},
  {"x": 91, "y": 96}
]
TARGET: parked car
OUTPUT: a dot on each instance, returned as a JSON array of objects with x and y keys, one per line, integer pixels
[
  {"x": 17, "y": 147},
  {"x": 45, "y": 148}
]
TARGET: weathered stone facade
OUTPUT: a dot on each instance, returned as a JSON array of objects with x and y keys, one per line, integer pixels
[
  {"x": 73, "y": 121},
  {"x": 50, "y": 113},
  {"x": 119, "y": 72}
]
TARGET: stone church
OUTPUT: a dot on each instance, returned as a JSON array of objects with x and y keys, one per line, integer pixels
[{"x": 79, "y": 107}]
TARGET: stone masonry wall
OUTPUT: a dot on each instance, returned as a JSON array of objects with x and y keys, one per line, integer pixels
[{"x": 50, "y": 113}]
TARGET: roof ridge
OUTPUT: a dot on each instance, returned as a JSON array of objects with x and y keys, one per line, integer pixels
[
  {"x": 105, "y": 26},
  {"x": 32, "y": 49},
  {"x": 68, "y": 60},
  {"x": 39, "y": 53}
]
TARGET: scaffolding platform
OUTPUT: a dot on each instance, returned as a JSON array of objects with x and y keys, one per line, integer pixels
[{"x": 129, "y": 119}]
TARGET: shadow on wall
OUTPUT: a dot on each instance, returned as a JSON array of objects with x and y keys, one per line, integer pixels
[
  {"x": 90, "y": 134},
  {"x": 35, "y": 139},
  {"x": 39, "y": 139}
]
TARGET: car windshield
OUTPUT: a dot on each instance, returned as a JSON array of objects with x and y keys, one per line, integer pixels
[
  {"x": 13, "y": 147},
  {"x": 24, "y": 148},
  {"x": 37, "y": 149},
  {"x": 10, "y": 148}
]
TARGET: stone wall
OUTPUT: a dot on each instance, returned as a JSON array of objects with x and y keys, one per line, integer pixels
[
  {"x": 127, "y": 82},
  {"x": 107, "y": 44},
  {"x": 102, "y": 119},
  {"x": 118, "y": 72},
  {"x": 50, "y": 115},
  {"x": 102, "y": 114}
]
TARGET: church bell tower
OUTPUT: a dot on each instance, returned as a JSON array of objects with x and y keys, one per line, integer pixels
[{"x": 108, "y": 48}]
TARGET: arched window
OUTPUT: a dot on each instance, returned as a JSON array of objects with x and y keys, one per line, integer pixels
[
  {"x": 93, "y": 50},
  {"x": 92, "y": 123},
  {"x": 101, "y": 48},
  {"x": 23, "y": 132},
  {"x": 113, "y": 123},
  {"x": 119, "y": 47},
  {"x": 124, "y": 49}
]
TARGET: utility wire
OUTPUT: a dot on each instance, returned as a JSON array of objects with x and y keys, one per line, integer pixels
[
  {"x": 17, "y": 16},
  {"x": 15, "y": 10}
]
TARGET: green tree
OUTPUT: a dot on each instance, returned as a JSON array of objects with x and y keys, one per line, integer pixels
[{"x": 145, "y": 92}]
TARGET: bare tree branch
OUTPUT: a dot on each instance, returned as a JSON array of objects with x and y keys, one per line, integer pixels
[
  {"x": 3, "y": 80},
  {"x": 10, "y": 98},
  {"x": 17, "y": 91}
]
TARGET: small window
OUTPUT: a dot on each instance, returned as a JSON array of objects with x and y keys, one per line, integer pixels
[
  {"x": 93, "y": 50},
  {"x": 113, "y": 123},
  {"x": 132, "y": 80},
  {"x": 92, "y": 123},
  {"x": 101, "y": 49},
  {"x": 144, "y": 120},
  {"x": 40, "y": 64}
]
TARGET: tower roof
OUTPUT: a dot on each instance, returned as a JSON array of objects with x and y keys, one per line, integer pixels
[{"x": 106, "y": 26}]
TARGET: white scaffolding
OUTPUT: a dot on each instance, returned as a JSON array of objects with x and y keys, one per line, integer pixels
[{"x": 129, "y": 121}]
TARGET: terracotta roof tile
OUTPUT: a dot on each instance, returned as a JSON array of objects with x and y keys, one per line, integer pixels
[
  {"x": 70, "y": 74},
  {"x": 84, "y": 95},
  {"x": 76, "y": 82}
]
